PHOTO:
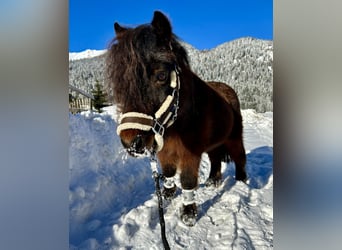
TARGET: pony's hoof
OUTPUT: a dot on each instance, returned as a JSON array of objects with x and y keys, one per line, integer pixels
[
  {"x": 213, "y": 182},
  {"x": 241, "y": 177},
  {"x": 189, "y": 214},
  {"x": 169, "y": 193}
]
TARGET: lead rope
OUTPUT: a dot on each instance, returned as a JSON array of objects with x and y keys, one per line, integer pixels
[{"x": 156, "y": 177}]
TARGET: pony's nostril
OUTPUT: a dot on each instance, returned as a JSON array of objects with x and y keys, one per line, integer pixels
[{"x": 138, "y": 143}]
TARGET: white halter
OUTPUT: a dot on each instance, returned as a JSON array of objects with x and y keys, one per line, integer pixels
[{"x": 163, "y": 118}]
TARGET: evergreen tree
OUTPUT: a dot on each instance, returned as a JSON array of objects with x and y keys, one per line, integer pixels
[{"x": 99, "y": 97}]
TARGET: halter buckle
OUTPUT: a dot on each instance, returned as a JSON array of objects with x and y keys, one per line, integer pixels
[{"x": 158, "y": 128}]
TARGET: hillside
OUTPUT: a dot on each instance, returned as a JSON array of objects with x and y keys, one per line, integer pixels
[{"x": 246, "y": 64}]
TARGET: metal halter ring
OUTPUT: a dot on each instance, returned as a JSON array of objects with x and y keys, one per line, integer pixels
[{"x": 158, "y": 128}]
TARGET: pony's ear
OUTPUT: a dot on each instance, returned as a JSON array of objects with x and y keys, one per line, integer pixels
[
  {"x": 119, "y": 30},
  {"x": 162, "y": 25}
]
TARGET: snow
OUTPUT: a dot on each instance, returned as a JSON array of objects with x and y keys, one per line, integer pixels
[
  {"x": 85, "y": 54},
  {"x": 113, "y": 205}
]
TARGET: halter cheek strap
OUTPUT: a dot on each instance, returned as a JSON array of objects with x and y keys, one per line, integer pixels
[{"x": 163, "y": 118}]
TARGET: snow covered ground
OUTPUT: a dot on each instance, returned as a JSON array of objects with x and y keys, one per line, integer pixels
[{"x": 113, "y": 206}]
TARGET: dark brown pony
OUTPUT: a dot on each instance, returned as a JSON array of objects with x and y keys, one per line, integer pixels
[{"x": 169, "y": 109}]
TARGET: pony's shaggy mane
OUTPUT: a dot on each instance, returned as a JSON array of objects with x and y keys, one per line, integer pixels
[{"x": 127, "y": 57}]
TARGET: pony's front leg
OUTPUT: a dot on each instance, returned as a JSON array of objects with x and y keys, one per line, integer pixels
[
  {"x": 168, "y": 162},
  {"x": 169, "y": 186},
  {"x": 189, "y": 181}
]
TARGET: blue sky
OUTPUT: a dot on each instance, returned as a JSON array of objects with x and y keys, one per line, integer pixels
[{"x": 203, "y": 24}]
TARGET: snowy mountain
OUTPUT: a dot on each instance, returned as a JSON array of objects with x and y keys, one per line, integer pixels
[
  {"x": 113, "y": 205},
  {"x": 73, "y": 56},
  {"x": 246, "y": 64}
]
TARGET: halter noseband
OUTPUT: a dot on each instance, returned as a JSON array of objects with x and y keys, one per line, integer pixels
[{"x": 163, "y": 118}]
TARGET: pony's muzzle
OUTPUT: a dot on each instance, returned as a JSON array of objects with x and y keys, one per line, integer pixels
[
  {"x": 134, "y": 142},
  {"x": 135, "y": 146}
]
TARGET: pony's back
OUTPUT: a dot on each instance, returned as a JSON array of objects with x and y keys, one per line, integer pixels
[{"x": 228, "y": 93}]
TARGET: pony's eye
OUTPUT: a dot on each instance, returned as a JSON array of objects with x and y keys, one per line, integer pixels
[{"x": 161, "y": 76}]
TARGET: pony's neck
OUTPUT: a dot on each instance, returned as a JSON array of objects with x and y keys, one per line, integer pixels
[{"x": 189, "y": 99}]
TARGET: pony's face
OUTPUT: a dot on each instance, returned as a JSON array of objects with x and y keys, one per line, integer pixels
[{"x": 140, "y": 62}]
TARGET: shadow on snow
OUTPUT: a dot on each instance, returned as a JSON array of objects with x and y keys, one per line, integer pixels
[{"x": 259, "y": 168}]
